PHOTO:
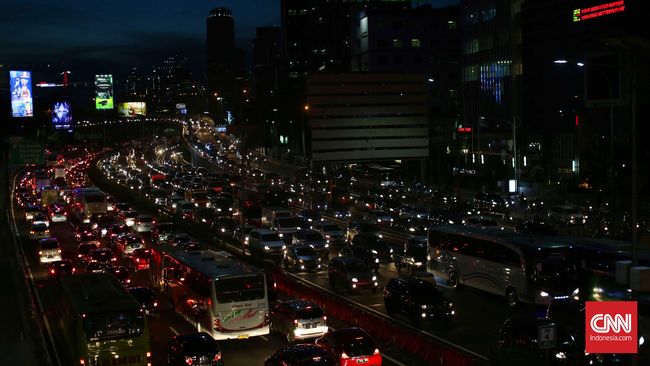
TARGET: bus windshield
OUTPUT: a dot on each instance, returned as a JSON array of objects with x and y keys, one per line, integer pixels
[
  {"x": 113, "y": 325},
  {"x": 95, "y": 198},
  {"x": 244, "y": 288},
  {"x": 552, "y": 264}
]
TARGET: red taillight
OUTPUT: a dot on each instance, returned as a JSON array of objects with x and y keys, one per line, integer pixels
[
  {"x": 82, "y": 362},
  {"x": 344, "y": 356},
  {"x": 376, "y": 351},
  {"x": 217, "y": 357},
  {"x": 40, "y": 252},
  {"x": 155, "y": 303},
  {"x": 295, "y": 321},
  {"x": 188, "y": 360},
  {"x": 59, "y": 251},
  {"x": 52, "y": 271}
]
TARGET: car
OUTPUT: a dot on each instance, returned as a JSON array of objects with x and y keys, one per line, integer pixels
[
  {"x": 332, "y": 233},
  {"x": 83, "y": 252},
  {"x": 193, "y": 348},
  {"x": 128, "y": 217},
  {"x": 96, "y": 267},
  {"x": 355, "y": 227},
  {"x": 489, "y": 201},
  {"x": 102, "y": 255},
  {"x": 140, "y": 259},
  {"x": 85, "y": 232},
  {"x": 380, "y": 217},
  {"x": 120, "y": 272},
  {"x": 39, "y": 231},
  {"x": 181, "y": 240},
  {"x": 128, "y": 243},
  {"x": 298, "y": 320},
  {"x": 375, "y": 244},
  {"x": 49, "y": 250},
  {"x": 144, "y": 223},
  {"x": 301, "y": 257},
  {"x": 566, "y": 215},
  {"x": 146, "y": 298},
  {"x": 60, "y": 268},
  {"x": 31, "y": 210},
  {"x": 300, "y": 355},
  {"x": 416, "y": 212},
  {"x": 57, "y": 213},
  {"x": 122, "y": 207},
  {"x": 310, "y": 215},
  {"x": 351, "y": 274},
  {"x": 185, "y": 209},
  {"x": 266, "y": 242},
  {"x": 224, "y": 227},
  {"x": 363, "y": 253},
  {"x": 285, "y": 227},
  {"x": 413, "y": 255},
  {"x": 314, "y": 239},
  {"x": 163, "y": 231},
  {"x": 350, "y": 346},
  {"x": 116, "y": 231},
  {"x": 419, "y": 300},
  {"x": 41, "y": 218}
]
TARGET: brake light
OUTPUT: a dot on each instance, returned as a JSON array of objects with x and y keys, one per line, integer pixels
[
  {"x": 295, "y": 321},
  {"x": 324, "y": 318},
  {"x": 59, "y": 251},
  {"x": 52, "y": 271},
  {"x": 344, "y": 356},
  {"x": 40, "y": 252},
  {"x": 155, "y": 303},
  {"x": 188, "y": 360},
  {"x": 82, "y": 362},
  {"x": 217, "y": 357},
  {"x": 376, "y": 351}
]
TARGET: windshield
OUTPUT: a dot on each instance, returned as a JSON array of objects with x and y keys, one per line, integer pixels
[
  {"x": 270, "y": 237},
  {"x": 95, "y": 198},
  {"x": 49, "y": 244},
  {"x": 310, "y": 313},
  {"x": 305, "y": 251},
  {"x": 331, "y": 228},
  {"x": 360, "y": 346},
  {"x": 357, "y": 268},
  {"x": 289, "y": 222},
  {"x": 425, "y": 293},
  {"x": 234, "y": 289},
  {"x": 552, "y": 265},
  {"x": 113, "y": 325}
]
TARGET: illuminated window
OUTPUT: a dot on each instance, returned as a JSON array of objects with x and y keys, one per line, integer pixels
[
  {"x": 397, "y": 43},
  {"x": 415, "y": 42}
]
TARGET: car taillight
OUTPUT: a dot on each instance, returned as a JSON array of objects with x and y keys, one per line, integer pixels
[
  {"x": 188, "y": 360},
  {"x": 52, "y": 271},
  {"x": 137, "y": 260},
  {"x": 376, "y": 351},
  {"x": 217, "y": 357},
  {"x": 59, "y": 251},
  {"x": 40, "y": 252},
  {"x": 295, "y": 322},
  {"x": 155, "y": 303},
  {"x": 344, "y": 356},
  {"x": 148, "y": 358},
  {"x": 82, "y": 362}
]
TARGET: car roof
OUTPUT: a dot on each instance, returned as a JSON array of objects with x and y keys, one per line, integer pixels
[
  {"x": 346, "y": 334},
  {"x": 299, "y": 304},
  {"x": 306, "y": 349},
  {"x": 348, "y": 260}
]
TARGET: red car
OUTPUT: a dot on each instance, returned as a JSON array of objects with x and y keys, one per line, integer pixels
[
  {"x": 351, "y": 346},
  {"x": 140, "y": 259}
]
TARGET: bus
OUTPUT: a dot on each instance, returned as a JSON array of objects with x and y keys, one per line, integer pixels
[
  {"x": 101, "y": 323},
  {"x": 88, "y": 202},
  {"x": 216, "y": 293},
  {"x": 521, "y": 268}
]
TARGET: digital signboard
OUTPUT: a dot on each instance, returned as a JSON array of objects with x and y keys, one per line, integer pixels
[
  {"x": 181, "y": 108},
  {"x": 598, "y": 11},
  {"x": 20, "y": 83},
  {"x": 132, "y": 109},
  {"x": 62, "y": 116},
  {"x": 104, "y": 91}
]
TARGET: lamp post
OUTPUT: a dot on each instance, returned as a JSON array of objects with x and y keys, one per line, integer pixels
[{"x": 512, "y": 124}]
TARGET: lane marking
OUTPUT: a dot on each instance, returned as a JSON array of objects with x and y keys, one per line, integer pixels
[{"x": 173, "y": 330}]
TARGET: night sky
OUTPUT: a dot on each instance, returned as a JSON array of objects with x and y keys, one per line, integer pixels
[{"x": 117, "y": 34}]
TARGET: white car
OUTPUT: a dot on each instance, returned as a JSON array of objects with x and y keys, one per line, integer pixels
[
  {"x": 57, "y": 214},
  {"x": 129, "y": 218},
  {"x": 49, "y": 250},
  {"x": 144, "y": 223},
  {"x": 41, "y": 218},
  {"x": 266, "y": 242},
  {"x": 332, "y": 233}
]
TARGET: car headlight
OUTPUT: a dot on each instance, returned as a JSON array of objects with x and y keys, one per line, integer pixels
[
  {"x": 327, "y": 236},
  {"x": 374, "y": 278},
  {"x": 560, "y": 355},
  {"x": 354, "y": 279},
  {"x": 281, "y": 235},
  {"x": 391, "y": 250},
  {"x": 327, "y": 245},
  {"x": 451, "y": 304},
  {"x": 576, "y": 292},
  {"x": 424, "y": 306},
  {"x": 376, "y": 260},
  {"x": 641, "y": 341},
  {"x": 380, "y": 236},
  {"x": 284, "y": 247},
  {"x": 543, "y": 294},
  {"x": 266, "y": 247}
]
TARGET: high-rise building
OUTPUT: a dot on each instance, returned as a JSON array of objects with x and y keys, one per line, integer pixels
[
  {"x": 225, "y": 61},
  {"x": 171, "y": 82}
]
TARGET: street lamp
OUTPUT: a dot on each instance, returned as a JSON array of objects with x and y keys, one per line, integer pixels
[{"x": 512, "y": 124}]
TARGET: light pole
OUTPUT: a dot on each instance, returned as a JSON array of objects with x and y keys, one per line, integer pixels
[{"x": 512, "y": 124}]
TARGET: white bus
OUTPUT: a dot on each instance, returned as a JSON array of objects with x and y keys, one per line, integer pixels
[
  {"x": 521, "y": 268},
  {"x": 217, "y": 293},
  {"x": 88, "y": 202}
]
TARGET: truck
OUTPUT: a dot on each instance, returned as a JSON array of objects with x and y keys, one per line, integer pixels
[
  {"x": 269, "y": 214},
  {"x": 59, "y": 171},
  {"x": 49, "y": 196}
]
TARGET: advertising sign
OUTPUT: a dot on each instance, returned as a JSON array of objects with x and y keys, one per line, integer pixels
[
  {"x": 132, "y": 109},
  {"x": 104, "y": 91},
  {"x": 20, "y": 83},
  {"x": 61, "y": 116},
  {"x": 181, "y": 108}
]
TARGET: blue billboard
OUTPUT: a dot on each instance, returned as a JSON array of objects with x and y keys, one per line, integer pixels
[
  {"x": 62, "y": 116},
  {"x": 22, "y": 104}
]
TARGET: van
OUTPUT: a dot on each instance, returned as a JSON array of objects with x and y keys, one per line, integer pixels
[{"x": 49, "y": 250}]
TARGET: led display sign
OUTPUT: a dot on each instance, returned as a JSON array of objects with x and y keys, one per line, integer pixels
[
  {"x": 132, "y": 109},
  {"x": 22, "y": 104},
  {"x": 598, "y": 10},
  {"x": 61, "y": 116},
  {"x": 104, "y": 91}
]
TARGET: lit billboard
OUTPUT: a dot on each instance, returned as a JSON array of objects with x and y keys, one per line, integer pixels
[
  {"x": 62, "y": 116},
  {"x": 104, "y": 91},
  {"x": 22, "y": 104},
  {"x": 181, "y": 108},
  {"x": 132, "y": 109}
]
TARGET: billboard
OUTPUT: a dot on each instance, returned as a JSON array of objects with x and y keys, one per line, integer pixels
[
  {"x": 62, "y": 116},
  {"x": 104, "y": 91},
  {"x": 20, "y": 83},
  {"x": 181, "y": 108},
  {"x": 132, "y": 109}
]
